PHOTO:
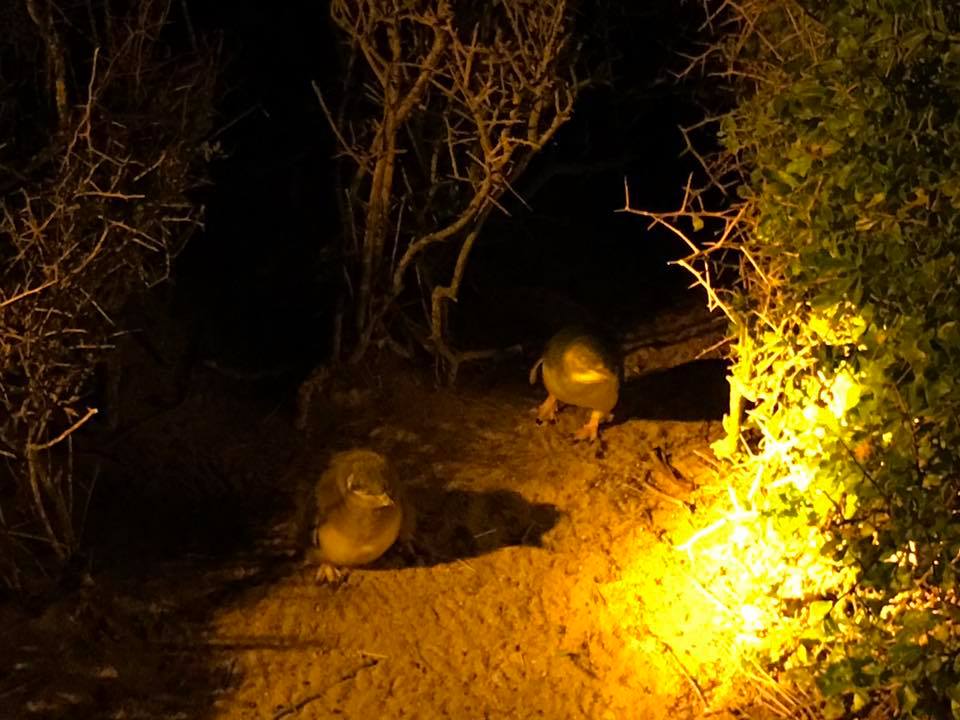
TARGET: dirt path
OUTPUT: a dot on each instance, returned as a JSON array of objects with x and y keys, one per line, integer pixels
[
  {"x": 543, "y": 581},
  {"x": 523, "y": 598}
]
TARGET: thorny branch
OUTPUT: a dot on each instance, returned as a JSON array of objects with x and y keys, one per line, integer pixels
[
  {"x": 80, "y": 233},
  {"x": 457, "y": 101},
  {"x": 722, "y": 235}
]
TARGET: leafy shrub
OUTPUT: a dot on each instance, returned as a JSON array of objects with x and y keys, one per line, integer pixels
[{"x": 841, "y": 157}]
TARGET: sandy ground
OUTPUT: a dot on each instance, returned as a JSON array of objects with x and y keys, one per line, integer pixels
[{"x": 543, "y": 581}]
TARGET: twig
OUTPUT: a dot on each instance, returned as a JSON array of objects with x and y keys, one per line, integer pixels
[
  {"x": 344, "y": 145},
  {"x": 683, "y": 670},
  {"x": 111, "y": 195},
  {"x": 301, "y": 704},
  {"x": 660, "y": 493},
  {"x": 715, "y": 346},
  {"x": 27, "y": 293},
  {"x": 372, "y": 655},
  {"x": 65, "y": 434},
  {"x": 661, "y": 460}
]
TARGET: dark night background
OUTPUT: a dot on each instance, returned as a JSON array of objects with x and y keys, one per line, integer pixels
[{"x": 255, "y": 286}]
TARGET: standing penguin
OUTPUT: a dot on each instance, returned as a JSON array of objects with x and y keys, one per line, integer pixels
[
  {"x": 358, "y": 514},
  {"x": 583, "y": 369}
]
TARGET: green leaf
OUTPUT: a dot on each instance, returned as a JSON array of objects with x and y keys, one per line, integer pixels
[
  {"x": 800, "y": 166},
  {"x": 908, "y": 699},
  {"x": 836, "y": 679},
  {"x": 913, "y": 40},
  {"x": 818, "y": 610}
]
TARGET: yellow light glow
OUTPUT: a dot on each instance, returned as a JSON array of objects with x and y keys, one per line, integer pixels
[
  {"x": 800, "y": 477},
  {"x": 740, "y": 535},
  {"x": 756, "y": 547},
  {"x": 844, "y": 394},
  {"x": 752, "y": 617},
  {"x": 752, "y": 569},
  {"x": 792, "y": 587}
]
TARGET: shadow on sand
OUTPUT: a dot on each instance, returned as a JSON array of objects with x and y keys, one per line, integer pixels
[
  {"x": 460, "y": 524},
  {"x": 694, "y": 391}
]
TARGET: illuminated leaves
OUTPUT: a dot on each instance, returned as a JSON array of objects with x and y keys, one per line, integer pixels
[{"x": 846, "y": 131}]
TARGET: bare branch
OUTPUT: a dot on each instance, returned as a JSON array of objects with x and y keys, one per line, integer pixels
[
  {"x": 456, "y": 102},
  {"x": 65, "y": 434},
  {"x": 97, "y": 221}
]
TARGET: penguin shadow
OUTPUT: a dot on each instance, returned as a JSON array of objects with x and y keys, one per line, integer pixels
[
  {"x": 695, "y": 391},
  {"x": 457, "y": 524}
]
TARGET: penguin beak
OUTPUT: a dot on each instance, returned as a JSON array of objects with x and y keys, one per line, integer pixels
[{"x": 382, "y": 500}]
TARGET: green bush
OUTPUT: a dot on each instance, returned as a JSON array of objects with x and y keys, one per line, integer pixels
[{"x": 844, "y": 148}]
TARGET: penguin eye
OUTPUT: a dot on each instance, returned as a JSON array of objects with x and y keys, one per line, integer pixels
[
  {"x": 351, "y": 482},
  {"x": 360, "y": 485}
]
